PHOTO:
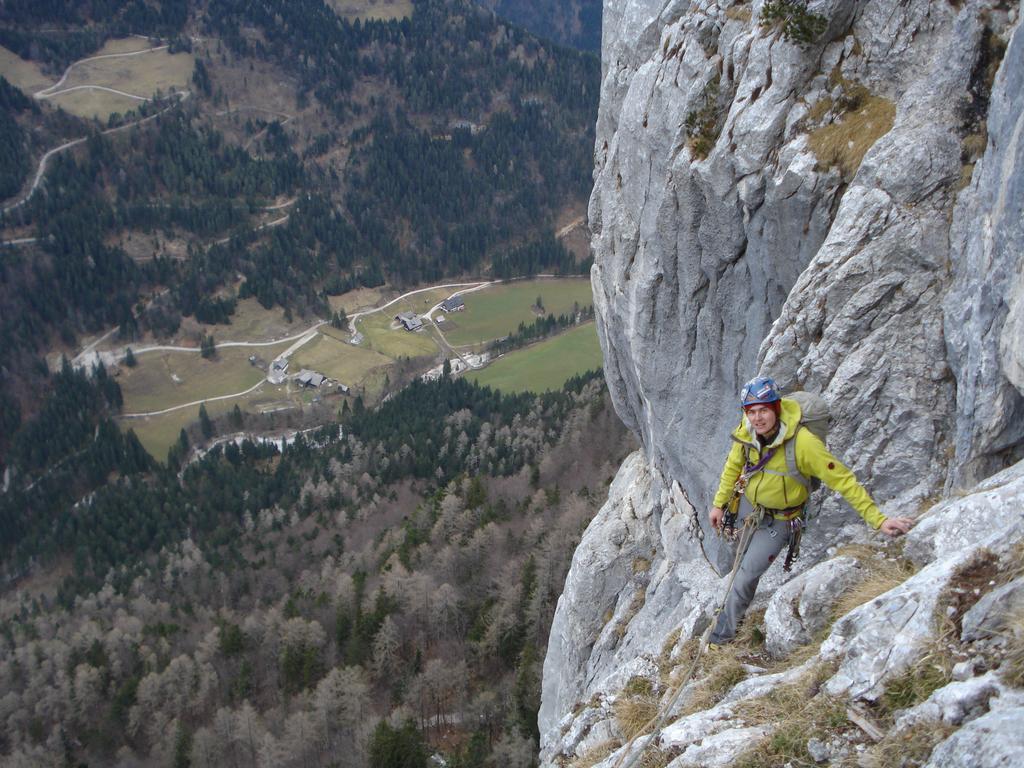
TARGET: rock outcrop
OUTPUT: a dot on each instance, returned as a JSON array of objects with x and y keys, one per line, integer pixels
[{"x": 845, "y": 215}]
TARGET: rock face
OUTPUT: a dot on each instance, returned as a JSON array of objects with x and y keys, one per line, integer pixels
[
  {"x": 807, "y": 211},
  {"x": 800, "y": 608},
  {"x": 984, "y": 312}
]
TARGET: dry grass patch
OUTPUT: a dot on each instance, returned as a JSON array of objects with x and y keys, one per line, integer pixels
[
  {"x": 738, "y": 12},
  {"x": 95, "y": 103},
  {"x": 23, "y": 74},
  {"x": 750, "y": 635},
  {"x": 919, "y": 681},
  {"x": 817, "y": 111},
  {"x": 595, "y": 754},
  {"x": 377, "y": 10},
  {"x": 796, "y": 712},
  {"x": 635, "y": 713},
  {"x": 1013, "y": 663},
  {"x": 965, "y": 587},
  {"x": 845, "y": 143},
  {"x": 882, "y": 574},
  {"x": 719, "y": 672},
  {"x": 909, "y": 748},
  {"x": 638, "y": 601}
]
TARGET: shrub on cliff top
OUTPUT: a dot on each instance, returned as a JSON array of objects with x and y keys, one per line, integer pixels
[{"x": 798, "y": 25}]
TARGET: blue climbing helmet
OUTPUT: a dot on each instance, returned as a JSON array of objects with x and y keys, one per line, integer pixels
[{"x": 761, "y": 389}]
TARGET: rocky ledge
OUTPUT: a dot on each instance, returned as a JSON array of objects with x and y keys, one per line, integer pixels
[{"x": 828, "y": 192}]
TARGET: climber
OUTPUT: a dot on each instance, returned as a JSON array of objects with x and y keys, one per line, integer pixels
[{"x": 757, "y": 477}]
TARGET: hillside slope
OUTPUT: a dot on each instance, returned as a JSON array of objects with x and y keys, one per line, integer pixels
[{"x": 827, "y": 194}]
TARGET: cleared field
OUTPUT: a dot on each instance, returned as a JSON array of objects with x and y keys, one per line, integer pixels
[
  {"x": 394, "y": 342},
  {"x": 251, "y": 322},
  {"x": 124, "y": 45},
  {"x": 158, "y": 433},
  {"x": 497, "y": 311},
  {"x": 348, "y": 364},
  {"x": 546, "y": 365},
  {"x": 23, "y": 74},
  {"x": 360, "y": 298},
  {"x": 137, "y": 75},
  {"x": 92, "y": 103},
  {"x": 166, "y": 379},
  {"x": 371, "y": 9}
]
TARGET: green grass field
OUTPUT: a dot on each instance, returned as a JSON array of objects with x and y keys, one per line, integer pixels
[
  {"x": 166, "y": 379},
  {"x": 398, "y": 342},
  {"x": 497, "y": 311},
  {"x": 158, "y": 433},
  {"x": 348, "y": 364},
  {"x": 545, "y": 365}
]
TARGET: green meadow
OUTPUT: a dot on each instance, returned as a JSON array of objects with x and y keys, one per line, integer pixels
[
  {"x": 545, "y": 365},
  {"x": 498, "y": 310}
]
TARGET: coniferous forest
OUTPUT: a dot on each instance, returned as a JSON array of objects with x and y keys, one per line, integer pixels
[
  {"x": 439, "y": 145},
  {"x": 379, "y": 590}
]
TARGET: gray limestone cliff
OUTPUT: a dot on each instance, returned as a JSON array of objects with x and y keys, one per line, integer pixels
[{"x": 843, "y": 214}]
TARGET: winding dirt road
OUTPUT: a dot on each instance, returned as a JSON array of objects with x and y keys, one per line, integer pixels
[{"x": 52, "y": 91}]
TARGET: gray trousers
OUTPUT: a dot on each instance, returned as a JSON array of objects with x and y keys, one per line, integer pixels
[{"x": 768, "y": 540}]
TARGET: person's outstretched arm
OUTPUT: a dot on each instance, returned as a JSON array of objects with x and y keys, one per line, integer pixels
[{"x": 815, "y": 460}]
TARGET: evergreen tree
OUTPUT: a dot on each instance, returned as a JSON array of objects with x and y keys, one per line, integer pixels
[
  {"x": 397, "y": 747},
  {"x": 204, "y": 421}
]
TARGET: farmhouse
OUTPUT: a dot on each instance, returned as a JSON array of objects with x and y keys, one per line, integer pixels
[
  {"x": 309, "y": 378},
  {"x": 410, "y": 320},
  {"x": 454, "y": 304}
]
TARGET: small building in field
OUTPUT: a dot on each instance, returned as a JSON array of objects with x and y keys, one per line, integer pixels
[
  {"x": 410, "y": 320},
  {"x": 343, "y": 389},
  {"x": 454, "y": 304},
  {"x": 310, "y": 378}
]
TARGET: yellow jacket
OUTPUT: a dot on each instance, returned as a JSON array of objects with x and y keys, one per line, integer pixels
[{"x": 772, "y": 488}]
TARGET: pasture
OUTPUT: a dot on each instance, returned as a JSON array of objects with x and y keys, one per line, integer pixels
[
  {"x": 382, "y": 336},
  {"x": 377, "y": 10},
  {"x": 334, "y": 358},
  {"x": 546, "y": 365},
  {"x": 165, "y": 379},
  {"x": 90, "y": 103},
  {"x": 251, "y": 322},
  {"x": 24, "y": 74},
  {"x": 158, "y": 433},
  {"x": 139, "y": 75},
  {"x": 498, "y": 310},
  {"x": 360, "y": 298}
]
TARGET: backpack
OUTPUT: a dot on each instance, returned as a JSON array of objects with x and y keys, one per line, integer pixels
[{"x": 815, "y": 416}]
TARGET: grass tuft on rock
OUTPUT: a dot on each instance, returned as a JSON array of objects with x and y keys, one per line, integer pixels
[
  {"x": 720, "y": 671},
  {"x": 844, "y": 144},
  {"x": 909, "y": 748},
  {"x": 796, "y": 712},
  {"x": 634, "y": 713},
  {"x": 1013, "y": 662},
  {"x": 595, "y": 754}
]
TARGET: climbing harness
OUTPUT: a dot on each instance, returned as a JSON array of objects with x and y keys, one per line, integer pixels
[
  {"x": 655, "y": 724},
  {"x": 731, "y": 508}
]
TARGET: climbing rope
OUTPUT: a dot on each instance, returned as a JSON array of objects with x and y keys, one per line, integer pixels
[{"x": 656, "y": 723}]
